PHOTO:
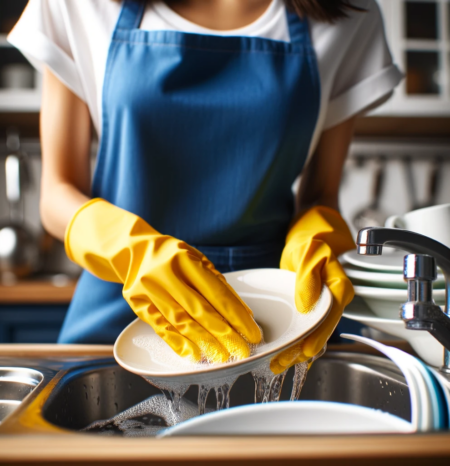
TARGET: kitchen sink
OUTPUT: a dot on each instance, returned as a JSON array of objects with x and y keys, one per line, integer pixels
[
  {"x": 15, "y": 384},
  {"x": 101, "y": 390}
]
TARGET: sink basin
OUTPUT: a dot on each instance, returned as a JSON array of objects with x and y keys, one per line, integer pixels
[
  {"x": 100, "y": 391},
  {"x": 15, "y": 384}
]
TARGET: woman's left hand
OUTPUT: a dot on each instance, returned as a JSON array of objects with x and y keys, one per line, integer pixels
[{"x": 312, "y": 247}]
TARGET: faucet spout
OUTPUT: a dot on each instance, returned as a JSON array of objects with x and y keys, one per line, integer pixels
[
  {"x": 374, "y": 238},
  {"x": 371, "y": 240}
]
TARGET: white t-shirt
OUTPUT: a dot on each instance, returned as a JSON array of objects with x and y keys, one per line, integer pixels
[{"x": 71, "y": 37}]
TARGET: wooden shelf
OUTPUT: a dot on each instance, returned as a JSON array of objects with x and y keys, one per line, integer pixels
[{"x": 37, "y": 292}]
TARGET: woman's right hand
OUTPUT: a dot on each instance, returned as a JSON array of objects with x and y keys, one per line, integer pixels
[{"x": 168, "y": 284}]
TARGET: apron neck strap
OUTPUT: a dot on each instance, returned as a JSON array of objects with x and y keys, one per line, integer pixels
[
  {"x": 297, "y": 27},
  {"x": 131, "y": 14},
  {"x": 133, "y": 11}
]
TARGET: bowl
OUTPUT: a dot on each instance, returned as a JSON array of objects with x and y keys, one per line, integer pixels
[
  {"x": 270, "y": 295},
  {"x": 292, "y": 418},
  {"x": 386, "y": 302}
]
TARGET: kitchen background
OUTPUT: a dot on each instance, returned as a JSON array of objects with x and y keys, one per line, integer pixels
[{"x": 399, "y": 161}]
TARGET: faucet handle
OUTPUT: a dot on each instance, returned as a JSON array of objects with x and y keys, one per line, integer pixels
[
  {"x": 420, "y": 312},
  {"x": 419, "y": 270},
  {"x": 419, "y": 267}
]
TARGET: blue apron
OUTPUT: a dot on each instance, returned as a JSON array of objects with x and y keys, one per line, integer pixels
[{"x": 203, "y": 137}]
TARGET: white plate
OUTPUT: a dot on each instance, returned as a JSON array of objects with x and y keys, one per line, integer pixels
[
  {"x": 386, "y": 302},
  {"x": 424, "y": 402},
  {"x": 390, "y": 261},
  {"x": 291, "y": 418},
  {"x": 425, "y": 345},
  {"x": 362, "y": 277},
  {"x": 445, "y": 386},
  {"x": 268, "y": 292}
]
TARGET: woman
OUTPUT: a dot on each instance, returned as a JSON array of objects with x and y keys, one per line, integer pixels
[{"x": 207, "y": 112}]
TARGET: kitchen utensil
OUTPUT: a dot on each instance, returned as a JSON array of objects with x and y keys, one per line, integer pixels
[
  {"x": 19, "y": 252},
  {"x": 425, "y": 345},
  {"x": 433, "y": 183},
  {"x": 270, "y": 295},
  {"x": 372, "y": 215},
  {"x": 410, "y": 184},
  {"x": 364, "y": 277},
  {"x": 386, "y": 302},
  {"x": 292, "y": 418},
  {"x": 429, "y": 221}
]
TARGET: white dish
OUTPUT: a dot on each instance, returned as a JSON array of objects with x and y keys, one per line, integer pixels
[
  {"x": 445, "y": 387},
  {"x": 391, "y": 261},
  {"x": 386, "y": 302},
  {"x": 291, "y": 418},
  {"x": 269, "y": 293},
  {"x": 439, "y": 403},
  {"x": 425, "y": 345},
  {"x": 424, "y": 404},
  {"x": 371, "y": 278}
]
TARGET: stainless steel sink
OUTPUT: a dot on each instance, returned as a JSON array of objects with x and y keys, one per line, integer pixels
[
  {"x": 16, "y": 383},
  {"x": 101, "y": 390}
]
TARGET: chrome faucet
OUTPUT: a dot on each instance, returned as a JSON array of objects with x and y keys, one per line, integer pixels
[{"x": 420, "y": 312}]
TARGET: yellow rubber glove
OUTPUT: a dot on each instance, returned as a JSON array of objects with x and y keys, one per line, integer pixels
[
  {"x": 168, "y": 284},
  {"x": 312, "y": 246}
]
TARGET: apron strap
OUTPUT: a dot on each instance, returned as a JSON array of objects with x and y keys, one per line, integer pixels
[
  {"x": 131, "y": 14},
  {"x": 297, "y": 27},
  {"x": 133, "y": 11}
]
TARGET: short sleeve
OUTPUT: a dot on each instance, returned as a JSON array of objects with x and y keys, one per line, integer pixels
[
  {"x": 366, "y": 74},
  {"x": 41, "y": 35}
]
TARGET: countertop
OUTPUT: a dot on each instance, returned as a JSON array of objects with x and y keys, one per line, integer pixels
[
  {"x": 82, "y": 449},
  {"x": 38, "y": 291}
]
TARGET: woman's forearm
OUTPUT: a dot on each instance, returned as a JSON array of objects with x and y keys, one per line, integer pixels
[
  {"x": 65, "y": 140},
  {"x": 321, "y": 178},
  {"x": 58, "y": 205}
]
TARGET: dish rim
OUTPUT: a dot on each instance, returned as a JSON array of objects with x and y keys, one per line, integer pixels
[{"x": 224, "y": 366}]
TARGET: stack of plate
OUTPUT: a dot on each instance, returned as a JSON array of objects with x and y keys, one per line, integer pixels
[{"x": 378, "y": 280}]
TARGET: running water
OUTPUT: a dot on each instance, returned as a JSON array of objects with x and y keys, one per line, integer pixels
[
  {"x": 173, "y": 391},
  {"x": 267, "y": 385},
  {"x": 161, "y": 354},
  {"x": 161, "y": 411},
  {"x": 222, "y": 389},
  {"x": 301, "y": 371},
  {"x": 145, "y": 419},
  {"x": 148, "y": 418}
]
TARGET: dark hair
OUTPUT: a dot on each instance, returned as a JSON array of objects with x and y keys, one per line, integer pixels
[{"x": 321, "y": 10}]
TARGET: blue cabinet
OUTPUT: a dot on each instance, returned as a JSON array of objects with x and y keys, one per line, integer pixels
[{"x": 31, "y": 323}]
